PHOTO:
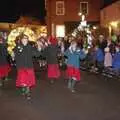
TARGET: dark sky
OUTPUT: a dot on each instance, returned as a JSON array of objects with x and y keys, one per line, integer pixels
[
  {"x": 10, "y": 10},
  {"x": 108, "y": 1}
]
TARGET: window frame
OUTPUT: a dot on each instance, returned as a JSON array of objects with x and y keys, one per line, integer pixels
[
  {"x": 57, "y": 3},
  {"x": 87, "y": 7}
]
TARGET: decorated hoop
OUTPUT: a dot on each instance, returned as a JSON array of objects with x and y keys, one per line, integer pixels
[{"x": 17, "y": 32}]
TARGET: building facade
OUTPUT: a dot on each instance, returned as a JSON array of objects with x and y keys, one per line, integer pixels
[
  {"x": 64, "y": 15},
  {"x": 110, "y": 16}
]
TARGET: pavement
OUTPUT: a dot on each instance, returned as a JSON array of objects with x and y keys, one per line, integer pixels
[{"x": 97, "y": 98}]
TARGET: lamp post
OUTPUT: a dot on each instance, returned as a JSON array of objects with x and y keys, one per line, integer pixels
[{"x": 79, "y": 14}]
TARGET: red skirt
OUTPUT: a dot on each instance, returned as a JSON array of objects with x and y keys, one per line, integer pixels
[
  {"x": 73, "y": 72},
  {"x": 4, "y": 70},
  {"x": 53, "y": 71},
  {"x": 25, "y": 78}
]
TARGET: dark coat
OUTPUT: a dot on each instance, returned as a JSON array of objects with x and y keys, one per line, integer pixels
[
  {"x": 102, "y": 45},
  {"x": 51, "y": 53},
  {"x": 67, "y": 44},
  {"x": 73, "y": 59},
  {"x": 116, "y": 61},
  {"x": 3, "y": 55},
  {"x": 24, "y": 55}
]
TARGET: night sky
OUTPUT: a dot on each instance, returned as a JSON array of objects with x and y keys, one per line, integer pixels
[
  {"x": 108, "y": 1},
  {"x": 11, "y": 10}
]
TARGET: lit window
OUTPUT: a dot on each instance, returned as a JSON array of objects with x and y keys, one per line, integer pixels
[
  {"x": 60, "y": 31},
  {"x": 84, "y": 8},
  {"x": 60, "y": 8}
]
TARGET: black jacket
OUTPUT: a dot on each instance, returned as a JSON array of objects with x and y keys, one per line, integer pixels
[
  {"x": 24, "y": 55},
  {"x": 3, "y": 55},
  {"x": 51, "y": 53},
  {"x": 102, "y": 45}
]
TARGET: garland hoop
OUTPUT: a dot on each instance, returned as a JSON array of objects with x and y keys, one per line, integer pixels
[{"x": 17, "y": 32}]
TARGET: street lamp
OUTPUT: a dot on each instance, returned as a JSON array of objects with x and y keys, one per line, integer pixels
[
  {"x": 79, "y": 14},
  {"x": 94, "y": 27}
]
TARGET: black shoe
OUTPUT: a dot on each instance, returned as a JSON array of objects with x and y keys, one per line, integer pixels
[
  {"x": 65, "y": 80},
  {"x": 1, "y": 83},
  {"x": 52, "y": 81},
  {"x": 73, "y": 91},
  {"x": 28, "y": 96},
  {"x": 28, "y": 93},
  {"x": 6, "y": 79}
]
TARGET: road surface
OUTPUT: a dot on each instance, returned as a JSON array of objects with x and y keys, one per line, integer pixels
[{"x": 96, "y": 99}]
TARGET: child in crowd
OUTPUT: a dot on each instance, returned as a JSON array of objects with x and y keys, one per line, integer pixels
[{"x": 107, "y": 58}]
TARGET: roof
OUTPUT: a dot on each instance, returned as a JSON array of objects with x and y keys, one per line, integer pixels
[
  {"x": 109, "y": 3},
  {"x": 29, "y": 20}
]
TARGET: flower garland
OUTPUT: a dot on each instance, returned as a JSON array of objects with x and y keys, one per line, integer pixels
[{"x": 17, "y": 32}]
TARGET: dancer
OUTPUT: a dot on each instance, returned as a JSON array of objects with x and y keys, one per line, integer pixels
[
  {"x": 41, "y": 60},
  {"x": 25, "y": 73},
  {"x": 4, "y": 64},
  {"x": 73, "y": 65},
  {"x": 51, "y": 53}
]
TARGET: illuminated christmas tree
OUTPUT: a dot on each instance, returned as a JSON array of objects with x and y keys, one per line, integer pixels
[{"x": 83, "y": 30}]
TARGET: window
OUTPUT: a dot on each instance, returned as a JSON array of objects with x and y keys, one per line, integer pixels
[
  {"x": 60, "y": 31},
  {"x": 84, "y": 7},
  {"x": 60, "y": 8}
]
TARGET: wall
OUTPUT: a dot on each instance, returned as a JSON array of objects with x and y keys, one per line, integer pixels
[
  {"x": 110, "y": 13},
  {"x": 72, "y": 8},
  {"x": 110, "y": 17}
]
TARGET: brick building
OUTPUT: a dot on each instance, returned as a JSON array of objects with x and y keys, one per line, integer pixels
[
  {"x": 110, "y": 16},
  {"x": 62, "y": 15}
]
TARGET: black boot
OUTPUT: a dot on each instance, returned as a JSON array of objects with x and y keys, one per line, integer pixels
[
  {"x": 7, "y": 79},
  {"x": 1, "y": 82},
  {"x": 28, "y": 93},
  {"x": 52, "y": 82},
  {"x": 23, "y": 91},
  {"x": 73, "y": 86},
  {"x": 69, "y": 83}
]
